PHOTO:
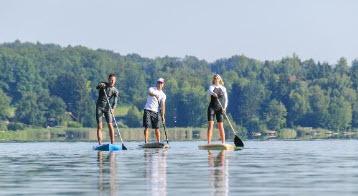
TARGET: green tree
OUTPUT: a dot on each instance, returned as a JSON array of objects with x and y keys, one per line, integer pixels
[
  {"x": 56, "y": 109},
  {"x": 5, "y": 107},
  {"x": 246, "y": 100},
  {"x": 298, "y": 104},
  {"x": 355, "y": 115},
  {"x": 340, "y": 114},
  {"x": 275, "y": 115},
  {"x": 47, "y": 81},
  {"x": 354, "y": 74},
  {"x": 190, "y": 108},
  {"x": 319, "y": 103},
  {"x": 28, "y": 111},
  {"x": 342, "y": 66},
  {"x": 75, "y": 90},
  {"x": 133, "y": 117}
]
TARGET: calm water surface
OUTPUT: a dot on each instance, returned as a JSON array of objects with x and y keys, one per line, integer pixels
[{"x": 327, "y": 167}]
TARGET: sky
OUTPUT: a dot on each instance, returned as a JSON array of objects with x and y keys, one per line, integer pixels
[{"x": 324, "y": 30}]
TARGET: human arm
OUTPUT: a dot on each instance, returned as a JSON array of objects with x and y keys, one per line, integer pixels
[
  {"x": 162, "y": 107},
  {"x": 101, "y": 85},
  {"x": 211, "y": 91},
  {"x": 226, "y": 100},
  {"x": 115, "y": 99},
  {"x": 152, "y": 92},
  {"x": 162, "y": 111}
]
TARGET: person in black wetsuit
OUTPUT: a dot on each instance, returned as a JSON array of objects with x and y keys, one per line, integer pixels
[
  {"x": 102, "y": 107},
  {"x": 217, "y": 92}
]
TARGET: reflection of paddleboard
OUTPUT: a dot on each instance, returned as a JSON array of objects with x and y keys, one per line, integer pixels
[
  {"x": 219, "y": 147},
  {"x": 155, "y": 145},
  {"x": 107, "y": 147}
]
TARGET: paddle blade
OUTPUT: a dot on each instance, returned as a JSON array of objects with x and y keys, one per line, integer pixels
[
  {"x": 238, "y": 142},
  {"x": 123, "y": 147}
]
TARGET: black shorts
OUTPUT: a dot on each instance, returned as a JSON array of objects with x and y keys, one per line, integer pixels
[
  {"x": 212, "y": 112},
  {"x": 151, "y": 119},
  {"x": 100, "y": 112}
]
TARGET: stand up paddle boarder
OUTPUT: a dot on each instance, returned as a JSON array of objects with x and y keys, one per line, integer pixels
[
  {"x": 102, "y": 106},
  {"x": 155, "y": 100},
  {"x": 217, "y": 91}
]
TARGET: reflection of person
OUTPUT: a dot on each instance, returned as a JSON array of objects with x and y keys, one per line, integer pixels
[
  {"x": 155, "y": 100},
  {"x": 110, "y": 161},
  {"x": 102, "y": 107},
  {"x": 217, "y": 92},
  {"x": 220, "y": 174},
  {"x": 156, "y": 170}
]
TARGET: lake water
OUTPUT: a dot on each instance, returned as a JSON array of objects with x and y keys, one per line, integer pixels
[{"x": 326, "y": 167}]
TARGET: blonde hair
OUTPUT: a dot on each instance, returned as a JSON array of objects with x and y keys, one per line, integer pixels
[{"x": 221, "y": 81}]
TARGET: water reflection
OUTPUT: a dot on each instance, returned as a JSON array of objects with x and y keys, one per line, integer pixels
[
  {"x": 107, "y": 173},
  {"x": 156, "y": 170},
  {"x": 219, "y": 175}
]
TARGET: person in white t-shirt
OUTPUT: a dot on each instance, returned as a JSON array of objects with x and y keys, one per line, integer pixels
[
  {"x": 155, "y": 104},
  {"x": 217, "y": 106}
]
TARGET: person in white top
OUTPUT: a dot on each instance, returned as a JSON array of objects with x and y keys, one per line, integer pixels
[
  {"x": 217, "y": 107},
  {"x": 155, "y": 104}
]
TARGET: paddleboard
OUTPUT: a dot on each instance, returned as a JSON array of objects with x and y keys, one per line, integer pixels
[
  {"x": 155, "y": 145},
  {"x": 218, "y": 147},
  {"x": 107, "y": 147}
]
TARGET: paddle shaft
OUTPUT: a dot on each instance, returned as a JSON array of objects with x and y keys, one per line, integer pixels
[
  {"x": 165, "y": 132},
  {"x": 232, "y": 128},
  {"x": 110, "y": 109},
  {"x": 237, "y": 141}
]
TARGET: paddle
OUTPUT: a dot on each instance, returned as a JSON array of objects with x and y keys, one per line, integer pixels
[
  {"x": 237, "y": 141},
  {"x": 115, "y": 121},
  {"x": 166, "y": 137}
]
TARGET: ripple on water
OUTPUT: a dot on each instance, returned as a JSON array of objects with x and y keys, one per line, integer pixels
[{"x": 263, "y": 168}]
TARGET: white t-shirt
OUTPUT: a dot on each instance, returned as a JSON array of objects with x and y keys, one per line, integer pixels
[{"x": 152, "y": 101}]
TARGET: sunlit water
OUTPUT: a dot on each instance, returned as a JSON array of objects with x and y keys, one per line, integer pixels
[{"x": 327, "y": 167}]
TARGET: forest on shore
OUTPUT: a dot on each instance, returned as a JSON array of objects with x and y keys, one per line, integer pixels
[{"x": 45, "y": 85}]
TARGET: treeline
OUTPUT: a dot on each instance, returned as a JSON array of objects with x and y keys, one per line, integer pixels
[{"x": 48, "y": 85}]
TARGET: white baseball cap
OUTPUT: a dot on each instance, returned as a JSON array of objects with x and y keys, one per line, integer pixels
[{"x": 160, "y": 80}]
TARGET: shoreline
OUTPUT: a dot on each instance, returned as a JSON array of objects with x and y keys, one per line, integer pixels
[{"x": 174, "y": 134}]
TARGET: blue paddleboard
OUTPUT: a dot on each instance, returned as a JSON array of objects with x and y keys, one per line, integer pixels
[{"x": 108, "y": 147}]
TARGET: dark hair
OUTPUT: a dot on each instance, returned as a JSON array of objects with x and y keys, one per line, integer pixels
[{"x": 111, "y": 75}]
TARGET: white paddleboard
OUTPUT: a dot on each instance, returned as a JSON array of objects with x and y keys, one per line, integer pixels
[{"x": 218, "y": 147}]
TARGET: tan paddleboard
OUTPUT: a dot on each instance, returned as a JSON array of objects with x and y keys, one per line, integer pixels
[
  {"x": 155, "y": 145},
  {"x": 218, "y": 147}
]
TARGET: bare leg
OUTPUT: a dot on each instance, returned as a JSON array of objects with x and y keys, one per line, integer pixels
[
  {"x": 99, "y": 133},
  {"x": 210, "y": 130},
  {"x": 146, "y": 135},
  {"x": 111, "y": 132},
  {"x": 157, "y": 135},
  {"x": 221, "y": 132}
]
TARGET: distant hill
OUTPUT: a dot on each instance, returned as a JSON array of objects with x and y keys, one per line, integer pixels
[{"x": 50, "y": 85}]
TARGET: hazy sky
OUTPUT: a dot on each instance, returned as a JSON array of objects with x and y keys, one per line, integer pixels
[{"x": 324, "y": 30}]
